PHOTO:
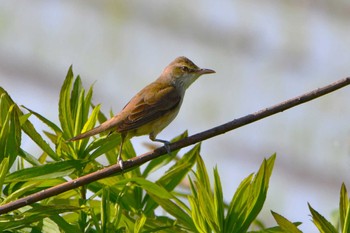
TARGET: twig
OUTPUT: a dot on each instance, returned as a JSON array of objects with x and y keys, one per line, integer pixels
[{"x": 139, "y": 160}]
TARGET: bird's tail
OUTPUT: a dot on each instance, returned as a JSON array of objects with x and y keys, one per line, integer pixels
[{"x": 107, "y": 125}]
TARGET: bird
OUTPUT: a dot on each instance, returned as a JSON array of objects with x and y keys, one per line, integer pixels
[{"x": 154, "y": 107}]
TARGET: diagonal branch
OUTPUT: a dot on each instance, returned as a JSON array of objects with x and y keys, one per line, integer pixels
[{"x": 139, "y": 160}]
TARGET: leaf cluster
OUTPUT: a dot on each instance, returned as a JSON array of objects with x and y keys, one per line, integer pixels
[{"x": 131, "y": 202}]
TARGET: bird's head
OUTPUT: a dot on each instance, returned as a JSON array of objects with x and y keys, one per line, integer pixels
[{"x": 182, "y": 72}]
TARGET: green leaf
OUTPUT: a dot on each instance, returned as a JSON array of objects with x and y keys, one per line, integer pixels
[
  {"x": 20, "y": 191},
  {"x": 10, "y": 133},
  {"x": 75, "y": 97},
  {"x": 321, "y": 223},
  {"x": 204, "y": 211},
  {"x": 271, "y": 230},
  {"x": 344, "y": 208},
  {"x": 87, "y": 104},
  {"x": 249, "y": 199},
  {"x": 139, "y": 223},
  {"x": 105, "y": 209},
  {"x": 285, "y": 224},
  {"x": 77, "y": 110},
  {"x": 63, "y": 225},
  {"x": 29, "y": 158},
  {"x": 29, "y": 129},
  {"x": 5, "y": 103},
  {"x": 39, "y": 185},
  {"x": 148, "y": 186},
  {"x": 128, "y": 152},
  {"x": 197, "y": 217},
  {"x": 101, "y": 117},
  {"x": 64, "y": 105},
  {"x": 47, "y": 171},
  {"x": 80, "y": 106},
  {"x": 49, "y": 123},
  {"x": 346, "y": 225},
  {"x": 89, "y": 124},
  {"x": 104, "y": 145},
  {"x": 202, "y": 174},
  {"x": 4, "y": 168},
  {"x": 91, "y": 121},
  {"x": 161, "y": 161},
  {"x": 218, "y": 200},
  {"x": 174, "y": 175},
  {"x": 176, "y": 211},
  {"x": 37, "y": 213}
]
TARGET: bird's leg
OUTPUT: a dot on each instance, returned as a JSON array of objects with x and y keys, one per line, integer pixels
[
  {"x": 120, "y": 160},
  {"x": 165, "y": 142}
]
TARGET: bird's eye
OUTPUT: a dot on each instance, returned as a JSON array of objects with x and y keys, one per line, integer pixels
[{"x": 185, "y": 68}]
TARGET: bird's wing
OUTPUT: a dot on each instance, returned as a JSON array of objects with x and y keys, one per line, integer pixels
[{"x": 151, "y": 103}]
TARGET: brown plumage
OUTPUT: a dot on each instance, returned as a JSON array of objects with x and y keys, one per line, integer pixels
[{"x": 155, "y": 106}]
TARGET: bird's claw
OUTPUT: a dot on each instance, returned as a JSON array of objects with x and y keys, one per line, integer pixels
[
  {"x": 165, "y": 142},
  {"x": 121, "y": 162},
  {"x": 167, "y": 147}
]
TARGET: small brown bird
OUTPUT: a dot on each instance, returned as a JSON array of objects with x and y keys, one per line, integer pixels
[{"x": 154, "y": 107}]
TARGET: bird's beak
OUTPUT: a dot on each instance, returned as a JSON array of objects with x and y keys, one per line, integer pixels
[{"x": 205, "y": 71}]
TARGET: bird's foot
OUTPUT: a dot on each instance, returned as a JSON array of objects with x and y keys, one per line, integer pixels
[
  {"x": 167, "y": 147},
  {"x": 166, "y": 144},
  {"x": 121, "y": 162}
]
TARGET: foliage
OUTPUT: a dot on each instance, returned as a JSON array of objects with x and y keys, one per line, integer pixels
[{"x": 128, "y": 202}]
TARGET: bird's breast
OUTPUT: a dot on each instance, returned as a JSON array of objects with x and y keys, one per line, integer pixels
[{"x": 156, "y": 126}]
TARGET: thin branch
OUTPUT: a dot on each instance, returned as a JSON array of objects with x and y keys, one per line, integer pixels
[{"x": 139, "y": 160}]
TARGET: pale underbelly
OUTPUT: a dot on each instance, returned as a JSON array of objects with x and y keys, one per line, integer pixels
[{"x": 156, "y": 126}]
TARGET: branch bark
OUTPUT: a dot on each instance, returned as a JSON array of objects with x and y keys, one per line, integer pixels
[{"x": 139, "y": 160}]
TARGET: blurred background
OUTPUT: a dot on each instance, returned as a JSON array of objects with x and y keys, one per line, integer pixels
[{"x": 264, "y": 52}]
